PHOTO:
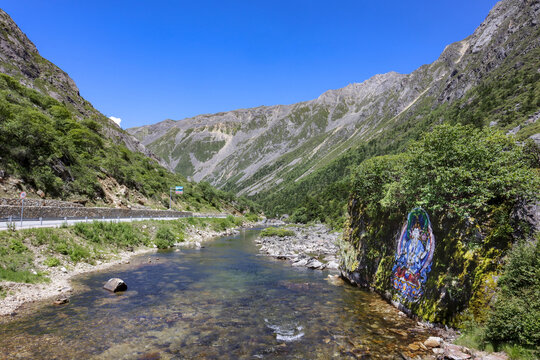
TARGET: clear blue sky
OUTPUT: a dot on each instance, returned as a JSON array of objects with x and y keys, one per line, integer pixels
[{"x": 145, "y": 61}]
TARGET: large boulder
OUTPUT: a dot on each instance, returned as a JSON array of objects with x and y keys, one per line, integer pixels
[{"x": 115, "y": 285}]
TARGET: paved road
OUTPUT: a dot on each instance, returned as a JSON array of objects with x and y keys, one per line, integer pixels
[{"x": 36, "y": 223}]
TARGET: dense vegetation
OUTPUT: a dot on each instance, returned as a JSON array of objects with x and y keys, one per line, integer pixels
[
  {"x": 517, "y": 309},
  {"x": 50, "y": 149},
  {"x": 472, "y": 182}
]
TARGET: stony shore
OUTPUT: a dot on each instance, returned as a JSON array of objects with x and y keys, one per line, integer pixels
[
  {"x": 312, "y": 246},
  {"x": 315, "y": 247},
  {"x": 59, "y": 286}
]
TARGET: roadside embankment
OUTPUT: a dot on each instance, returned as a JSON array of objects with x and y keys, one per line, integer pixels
[
  {"x": 37, "y": 264},
  {"x": 35, "y": 212},
  {"x": 312, "y": 246}
]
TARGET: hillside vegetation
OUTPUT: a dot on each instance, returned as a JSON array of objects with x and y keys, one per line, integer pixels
[
  {"x": 50, "y": 149},
  {"x": 509, "y": 98}
]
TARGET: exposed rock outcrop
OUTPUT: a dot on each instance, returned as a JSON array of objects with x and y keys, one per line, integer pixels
[{"x": 311, "y": 246}]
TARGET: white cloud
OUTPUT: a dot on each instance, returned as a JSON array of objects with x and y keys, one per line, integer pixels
[{"x": 116, "y": 120}]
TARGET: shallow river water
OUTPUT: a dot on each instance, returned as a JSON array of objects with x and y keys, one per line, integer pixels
[{"x": 223, "y": 301}]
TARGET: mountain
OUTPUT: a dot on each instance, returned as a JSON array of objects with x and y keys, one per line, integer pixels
[
  {"x": 491, "y": 77},
  {"x": 20, "y": 59},
  {"x": 54, "y": 144}
]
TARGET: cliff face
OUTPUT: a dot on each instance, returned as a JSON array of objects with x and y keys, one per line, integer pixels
[
  {"x": 20, "y": 59},
  {"x": 430, "y": 229},
  {"x": 252, "y": 150}
]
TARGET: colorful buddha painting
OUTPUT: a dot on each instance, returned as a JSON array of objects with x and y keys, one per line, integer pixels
[{"x": 413, "y": 256}]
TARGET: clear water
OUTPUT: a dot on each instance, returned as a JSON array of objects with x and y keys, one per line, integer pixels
[{"x": 220, "y": 302}]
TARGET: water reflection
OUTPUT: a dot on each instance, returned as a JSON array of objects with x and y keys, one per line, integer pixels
[{"x": 222, "y": 301}]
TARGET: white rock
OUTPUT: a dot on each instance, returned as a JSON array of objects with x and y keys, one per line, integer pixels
[
  {"x": 302, "y": 262},
  {"x": 433, "y": 342},
  {"x": 332, "y": 265}
]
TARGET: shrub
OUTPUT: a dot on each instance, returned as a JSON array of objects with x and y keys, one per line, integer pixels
[
  {"x": 17, "y": 246},
  {"x": 164, "y": 238},
  {"x": 517, "y": 309},
  {"x": 252, "y": 217},
  {"x": 455, "y": 169},
  {"x": 52, "y": 262}
]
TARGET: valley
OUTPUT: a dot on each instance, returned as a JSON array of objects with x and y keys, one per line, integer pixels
[{"x": 398, "y": 217}]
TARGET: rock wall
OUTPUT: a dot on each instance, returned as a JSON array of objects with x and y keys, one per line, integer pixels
[
  {"x": 467, "y": 260},
  {"x": 34, "y": 212},
  {"x": 39, "y": 202}
]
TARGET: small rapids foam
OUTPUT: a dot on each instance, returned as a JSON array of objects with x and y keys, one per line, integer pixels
[{"x": 287, "y": 332}]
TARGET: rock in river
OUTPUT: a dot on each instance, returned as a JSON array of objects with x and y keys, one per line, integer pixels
[
  {"x": 61, "y": 301},
  {"x": 115, "y": 284}
]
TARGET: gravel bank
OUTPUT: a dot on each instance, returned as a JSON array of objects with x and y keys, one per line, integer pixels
[{"x": 312, "y": 246}]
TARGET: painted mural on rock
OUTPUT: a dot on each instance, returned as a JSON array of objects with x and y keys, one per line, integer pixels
[{"x": 414, "y": 254}]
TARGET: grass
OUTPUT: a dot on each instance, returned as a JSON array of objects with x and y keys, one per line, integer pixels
[
  {"x": 474, "y": 337},
  {"x": 52, "y": 262},
  {"x": 280, "y": 232},
  {"x": 89, "y": 242}
]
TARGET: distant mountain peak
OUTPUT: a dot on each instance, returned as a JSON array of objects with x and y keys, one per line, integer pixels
[{"x": 258, "y": 149}]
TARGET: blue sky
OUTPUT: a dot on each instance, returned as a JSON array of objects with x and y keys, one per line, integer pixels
[{"x": 145, "y": 61}]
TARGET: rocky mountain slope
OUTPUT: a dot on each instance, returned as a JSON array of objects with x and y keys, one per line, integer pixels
[
  {"x": 20, "y": 59},
  {"x": 55, "y": 145},
  {"x": 272, "y": 147}
]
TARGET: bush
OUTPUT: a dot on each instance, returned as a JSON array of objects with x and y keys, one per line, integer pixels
[
  {"x": 51, "y": 262},
  {"x": 459, "y": 170},
  {"x": 280, "y": 232},
  {"x": 17, "y": 246},
  {"x": 164, "y": 238},
  {"x": 517, "y": 309},
  {"x": 252, "y": 217}
]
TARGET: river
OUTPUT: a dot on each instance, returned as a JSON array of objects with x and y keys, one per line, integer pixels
[{"x": 223, "y": 301}]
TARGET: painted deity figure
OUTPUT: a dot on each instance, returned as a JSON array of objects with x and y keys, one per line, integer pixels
[
  {"x": 413, "y": 255},
  {"x": 415, "y": 250}
]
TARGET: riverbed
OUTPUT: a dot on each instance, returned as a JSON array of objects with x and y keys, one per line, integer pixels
[{"x": 223, "y": 301}]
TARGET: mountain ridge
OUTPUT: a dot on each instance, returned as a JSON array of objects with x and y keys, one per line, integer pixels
[
  {"x": 20, "y": 59},
  {"x": 245, "y": 143}
]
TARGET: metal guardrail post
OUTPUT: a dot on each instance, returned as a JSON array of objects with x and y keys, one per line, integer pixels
[
  {"x": 86, "y": 219},
  {"x": 40, "y": 221}
]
